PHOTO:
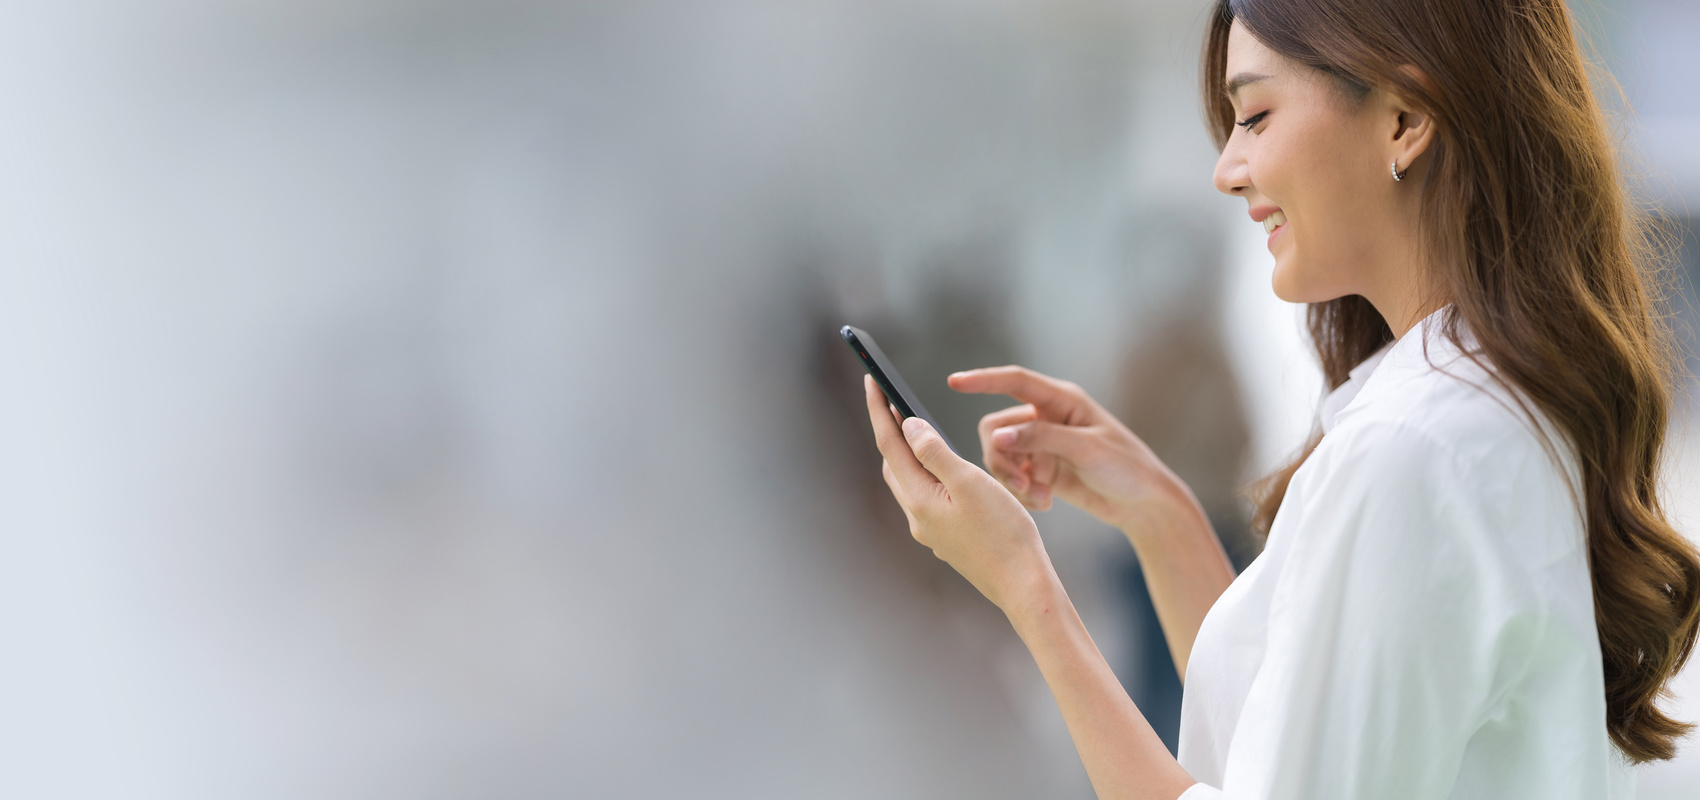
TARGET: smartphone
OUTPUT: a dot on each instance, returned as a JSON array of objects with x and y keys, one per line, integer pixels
[{"x": 896, "y": 391}]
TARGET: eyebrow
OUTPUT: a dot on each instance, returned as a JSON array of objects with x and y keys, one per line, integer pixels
[{"x": 1234, "y": 84}]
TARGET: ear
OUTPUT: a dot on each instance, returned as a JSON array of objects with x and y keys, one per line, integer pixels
[{"x": 1413, "y": 130}]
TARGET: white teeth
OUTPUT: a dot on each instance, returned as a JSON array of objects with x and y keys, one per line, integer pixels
[{"x": 1273, "y": 221}]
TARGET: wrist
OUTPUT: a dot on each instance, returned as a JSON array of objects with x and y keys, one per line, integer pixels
[
  {"x": 1034, "y": 598},
  {"x": 1171, "y": 512}
]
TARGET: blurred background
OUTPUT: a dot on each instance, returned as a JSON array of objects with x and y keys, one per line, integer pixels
[{"x": 440, "y": 399}]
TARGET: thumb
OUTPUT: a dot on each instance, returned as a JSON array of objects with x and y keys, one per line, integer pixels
[{"x": 930, "y": 449}]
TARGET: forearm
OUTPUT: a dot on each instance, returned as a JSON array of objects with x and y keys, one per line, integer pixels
[
  {"x": 1123, "y": 756},
  {"x": 1185, "y": 567}
]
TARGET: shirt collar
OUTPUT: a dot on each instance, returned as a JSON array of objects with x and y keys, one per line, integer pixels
[{"x": 1425, "y": 344}]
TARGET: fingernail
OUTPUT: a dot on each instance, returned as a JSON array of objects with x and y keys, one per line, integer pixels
[
  {"x": 913, "y": 427},
  {"x": 1003, "y": 436}
]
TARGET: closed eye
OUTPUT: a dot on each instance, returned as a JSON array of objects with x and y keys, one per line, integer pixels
[{"x": 1251, "y": 121}]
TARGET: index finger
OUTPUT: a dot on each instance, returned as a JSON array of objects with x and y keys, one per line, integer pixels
[
  {"x": 888, "y": 437},
  {"x": 1052, "y": 398}
]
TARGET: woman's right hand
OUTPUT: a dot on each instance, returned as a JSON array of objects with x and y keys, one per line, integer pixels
[{"x": 1061, "y": 443}]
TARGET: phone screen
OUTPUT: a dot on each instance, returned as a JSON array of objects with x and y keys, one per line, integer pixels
[{"x": 890, "y": 382}]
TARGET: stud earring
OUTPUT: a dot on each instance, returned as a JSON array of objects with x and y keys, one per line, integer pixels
[{"x": 1397, "y": 175}]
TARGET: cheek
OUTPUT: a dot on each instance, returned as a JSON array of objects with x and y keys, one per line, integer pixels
[{"x": 1316, "y": 177}]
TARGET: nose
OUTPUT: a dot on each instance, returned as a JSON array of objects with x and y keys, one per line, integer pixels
[{"x": 1233, "y": 175}]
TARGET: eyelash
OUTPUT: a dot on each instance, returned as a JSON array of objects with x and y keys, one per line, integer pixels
[{"x": 1248, "y": 122}]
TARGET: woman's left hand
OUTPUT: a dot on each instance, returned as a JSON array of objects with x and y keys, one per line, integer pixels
[{"x": 966, "y": 517}]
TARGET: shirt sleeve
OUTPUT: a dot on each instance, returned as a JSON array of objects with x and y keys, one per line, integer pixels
[{"x": 1394, "y": 627}]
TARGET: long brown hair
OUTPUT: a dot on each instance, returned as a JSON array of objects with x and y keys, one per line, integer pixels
[{"x": 1545, "y": 260}]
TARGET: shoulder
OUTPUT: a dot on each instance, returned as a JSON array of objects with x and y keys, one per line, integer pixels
[
  {"x": 1449, "y": 399},
  {"x": 1444, "y": 447}
]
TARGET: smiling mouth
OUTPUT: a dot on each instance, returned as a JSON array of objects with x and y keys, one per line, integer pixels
[{"x": 1273, "y": 221}]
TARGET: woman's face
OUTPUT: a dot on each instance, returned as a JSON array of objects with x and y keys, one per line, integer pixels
[{"x": 1309, "y": 162}]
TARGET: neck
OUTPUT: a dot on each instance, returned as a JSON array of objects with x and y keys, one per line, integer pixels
[
  {"x": 1406, "y": 291},
  {"x": 1406, "y": 317}
]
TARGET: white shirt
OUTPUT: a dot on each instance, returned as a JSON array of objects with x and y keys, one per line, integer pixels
[{"x": 1421, "y": 621}]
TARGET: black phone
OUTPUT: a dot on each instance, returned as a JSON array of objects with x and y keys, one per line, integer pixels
[{"x": 896, "y": 391}]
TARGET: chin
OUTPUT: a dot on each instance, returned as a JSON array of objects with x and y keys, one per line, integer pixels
[
  {"x": 1293, "y": 284},
  {"x": 1287, "y": 286}
]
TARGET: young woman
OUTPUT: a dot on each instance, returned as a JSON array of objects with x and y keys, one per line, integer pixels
[{"x": 1469, "y": 589}]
